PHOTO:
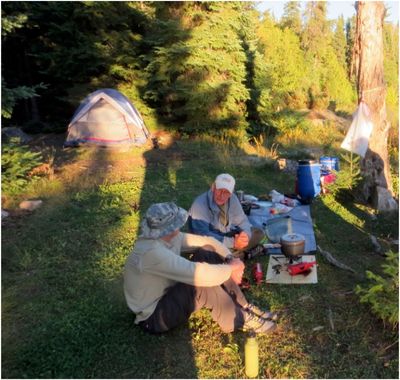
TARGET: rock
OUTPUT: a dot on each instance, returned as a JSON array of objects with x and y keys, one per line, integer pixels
[
  {"x": 30, "y": 205},
  {"x": 383, "y": 200},
  {"x": 375, "y": 243},
  {"x": 4, "y": 214},
  {"x": 286, "y": 165},
  {"x": 16, "y": 132}
]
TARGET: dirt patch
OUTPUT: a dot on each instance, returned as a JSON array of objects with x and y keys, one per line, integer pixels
[
  {"x": 323, "y": 116},
  {"x": 113, "y": 164}
]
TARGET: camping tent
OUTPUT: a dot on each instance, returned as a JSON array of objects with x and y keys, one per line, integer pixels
[{"x": 106, "y": 118}]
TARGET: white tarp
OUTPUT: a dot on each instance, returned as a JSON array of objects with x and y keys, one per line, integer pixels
[{"x": 358, "y": 135}]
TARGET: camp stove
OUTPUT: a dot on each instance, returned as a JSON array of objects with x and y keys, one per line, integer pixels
[{"x": 294, "y": 265}]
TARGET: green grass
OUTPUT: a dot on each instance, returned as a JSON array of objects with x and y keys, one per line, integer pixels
[{"x": 63, "y": 310}]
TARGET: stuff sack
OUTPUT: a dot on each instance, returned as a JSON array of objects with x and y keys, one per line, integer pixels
[{"x": 357, "y": 136}]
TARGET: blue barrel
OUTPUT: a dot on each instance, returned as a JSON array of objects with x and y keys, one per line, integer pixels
[
  {"x": 328, "y": 164},
  {"x": 308, "y": 179}
]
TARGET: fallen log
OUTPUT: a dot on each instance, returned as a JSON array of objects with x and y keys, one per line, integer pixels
[{"x": 334, "y": 261}]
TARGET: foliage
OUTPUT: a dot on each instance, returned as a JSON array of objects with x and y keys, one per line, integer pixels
[
  {"x": 280, "y": 79},
  {"x": 16, "y": 162},
  {"x": 339, "y": 42},
  {"x": 324, "y": 54},
  {"x": 291, "y": 17},
  {"x": 382, "y": 293},
  {"x": 10, "y": 96},
  {"x": 196, "y": 71},
  {"x": 287, "y": 121},
  {"x": 348, "y": 177},
  {"x": 391, "y": 72},
  {"x": 197, "y": 67},
  {"x": 74, "y": 47}
]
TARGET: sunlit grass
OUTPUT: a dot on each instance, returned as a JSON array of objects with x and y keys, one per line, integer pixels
[{"x": 327, "y": 137}]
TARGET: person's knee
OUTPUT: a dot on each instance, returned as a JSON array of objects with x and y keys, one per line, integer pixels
[{"x": 257, "y": 233}]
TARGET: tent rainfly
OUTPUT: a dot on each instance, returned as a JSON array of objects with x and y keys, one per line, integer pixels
[{"x": 106, "y": 118}]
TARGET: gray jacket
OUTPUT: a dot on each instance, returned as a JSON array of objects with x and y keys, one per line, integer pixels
[{"x": 204, "y": 219}]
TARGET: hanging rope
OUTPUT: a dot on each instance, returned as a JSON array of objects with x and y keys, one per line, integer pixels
[{"x": 370, "y": 90}]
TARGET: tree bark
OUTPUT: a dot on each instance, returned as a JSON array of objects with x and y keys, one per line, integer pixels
[{"x": 372, "y": 90}]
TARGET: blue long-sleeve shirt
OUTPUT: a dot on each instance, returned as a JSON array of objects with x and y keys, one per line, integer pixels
[{"x": 204, "y": 218}]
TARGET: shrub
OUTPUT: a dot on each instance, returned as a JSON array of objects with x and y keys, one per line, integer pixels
[
  {"x": 348, "y": 177},
  {"x": 16, "y": 162},
  {"x": 383, "y": 292}
]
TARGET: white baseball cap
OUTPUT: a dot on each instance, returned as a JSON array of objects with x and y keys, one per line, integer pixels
[{"x": 225, "y": 181}]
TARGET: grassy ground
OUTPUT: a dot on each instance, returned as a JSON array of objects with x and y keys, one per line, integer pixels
[{"x": 63, "y": 310}]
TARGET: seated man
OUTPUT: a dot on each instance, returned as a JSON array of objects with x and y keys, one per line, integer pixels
[
  {"x": 218, "y": 213},
  {"x": 163, "y": 288}
]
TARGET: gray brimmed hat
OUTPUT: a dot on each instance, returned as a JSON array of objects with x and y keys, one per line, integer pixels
[{"x": 161, "y": 219}]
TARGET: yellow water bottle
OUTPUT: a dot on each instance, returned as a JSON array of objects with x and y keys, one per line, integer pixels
[{"x": 251, "y": 356}]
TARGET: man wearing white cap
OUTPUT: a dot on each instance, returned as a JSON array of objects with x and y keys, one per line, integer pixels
[
  {"x": 163, "y": 288},
  {"x": 218, "y": 213}
]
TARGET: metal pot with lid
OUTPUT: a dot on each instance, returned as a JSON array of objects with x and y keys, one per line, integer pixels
[{"x": 292, "y": 245}]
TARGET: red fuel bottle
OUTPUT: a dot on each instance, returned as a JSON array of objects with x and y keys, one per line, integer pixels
[{"x": 257, "y": 273}]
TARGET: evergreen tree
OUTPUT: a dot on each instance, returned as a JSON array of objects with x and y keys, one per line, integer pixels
[
  {"x": 336, "y": 87},
  {"x": 339, "y": 41},
  {"x": 391, "y": 72},
  {"x": 291, "y": 17},
  {"x": 197, "y": 69},
  {"x": 323, "y": 52},
  {"x": 350, "y": 33},
  {"x": 248, "y": 35},
  {"x": 316, "y": 34},
  {"x": 281, "y": 79},
  {"x": 74, "y": 47},
  {"x": 10, "y": 23}
]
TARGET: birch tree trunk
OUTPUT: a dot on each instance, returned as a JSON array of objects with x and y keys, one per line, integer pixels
[{"x": 377, "y": 186}]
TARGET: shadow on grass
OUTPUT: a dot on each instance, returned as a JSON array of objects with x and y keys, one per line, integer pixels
[{"x": 64, "y": 314}]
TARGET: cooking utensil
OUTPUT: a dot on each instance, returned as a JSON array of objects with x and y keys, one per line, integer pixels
[{"x": 292, "y": 245}]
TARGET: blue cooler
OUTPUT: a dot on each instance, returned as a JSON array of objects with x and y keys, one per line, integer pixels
[
  {"x": 308, "y": 179},
  {"x": 328, "y": 164}
]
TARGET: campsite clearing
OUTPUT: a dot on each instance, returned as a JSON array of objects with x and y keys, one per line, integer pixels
[{"x": 63, "y": 310}]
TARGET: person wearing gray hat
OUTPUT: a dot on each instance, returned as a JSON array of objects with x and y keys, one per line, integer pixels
[
  {"x": 163, "y": 288},
  {"x": 219, "y": 213}
]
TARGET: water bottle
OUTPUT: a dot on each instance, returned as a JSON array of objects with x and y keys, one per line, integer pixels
[
  {"x": 257, "y": 273},
  {"x": 251, "y": 356}
]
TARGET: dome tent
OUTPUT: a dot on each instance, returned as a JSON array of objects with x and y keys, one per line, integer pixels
[{"x": 106, "y": 118}]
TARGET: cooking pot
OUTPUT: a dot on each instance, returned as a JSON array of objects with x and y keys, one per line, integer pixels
[{"x": 292, "y": 244}]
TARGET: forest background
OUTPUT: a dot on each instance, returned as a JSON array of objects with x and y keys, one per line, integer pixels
[{"x": 195, "y": 67}]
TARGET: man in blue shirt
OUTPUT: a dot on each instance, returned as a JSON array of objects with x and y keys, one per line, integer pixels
[{"x": 218, "y": 213}]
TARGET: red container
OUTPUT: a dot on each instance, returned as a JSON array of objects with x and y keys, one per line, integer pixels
[{"x": 257, "y": 273}]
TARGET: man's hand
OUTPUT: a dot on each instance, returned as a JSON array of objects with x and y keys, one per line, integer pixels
[
  {"x": 237, "y": 270},
  {"x": 241, "y": 240}
]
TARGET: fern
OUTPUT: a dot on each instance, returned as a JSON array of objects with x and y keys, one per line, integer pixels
[
  {"x": 383, "y": 291},
  {"x": 16, "y": 162}
]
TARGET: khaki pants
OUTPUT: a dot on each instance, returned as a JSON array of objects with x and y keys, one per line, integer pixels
[{"x": 181, "y": 300}]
